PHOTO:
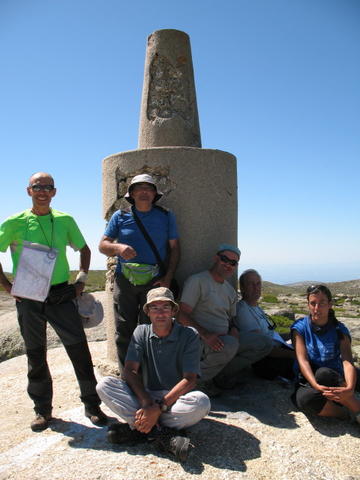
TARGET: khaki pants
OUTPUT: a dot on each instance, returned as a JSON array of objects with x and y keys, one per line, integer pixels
[{"x": 186, "y": 411}]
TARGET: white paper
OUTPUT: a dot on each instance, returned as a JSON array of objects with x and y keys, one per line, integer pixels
[{"x": 34, "y": 272}]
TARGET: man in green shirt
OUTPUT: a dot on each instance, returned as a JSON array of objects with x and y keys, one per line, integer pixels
[{"x": 51, "y": 228}]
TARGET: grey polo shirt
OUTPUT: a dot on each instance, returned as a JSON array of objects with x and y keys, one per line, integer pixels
[{"x": 165, "y": 360}]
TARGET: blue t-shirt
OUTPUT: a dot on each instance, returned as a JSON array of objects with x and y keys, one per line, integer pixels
[
  {"x": 160, "y": 225},
  {"x": 323, "y": 350}
]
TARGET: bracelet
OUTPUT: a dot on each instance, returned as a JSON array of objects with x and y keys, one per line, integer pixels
[{"x": 81, "y": 277}]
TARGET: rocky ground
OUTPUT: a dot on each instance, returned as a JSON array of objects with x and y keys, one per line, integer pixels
[
  {"x": 11, "y": 343},
  {"x": 251, "y": 433}
]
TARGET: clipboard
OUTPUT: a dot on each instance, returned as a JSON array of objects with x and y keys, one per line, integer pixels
[{"x": 34, "y": 271}]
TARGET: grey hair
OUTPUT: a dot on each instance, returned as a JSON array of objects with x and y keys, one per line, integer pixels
[{"x": 245, "y": 273}]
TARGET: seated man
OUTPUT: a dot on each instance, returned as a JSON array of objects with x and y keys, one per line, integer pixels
[
  {"x": 155, "y": 396},
  {"x": 208, "y": 303},
  {"x": 259, "y": 344}
]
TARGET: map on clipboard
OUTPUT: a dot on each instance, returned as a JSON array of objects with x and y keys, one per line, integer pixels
[{"x": 34, "y": 272}]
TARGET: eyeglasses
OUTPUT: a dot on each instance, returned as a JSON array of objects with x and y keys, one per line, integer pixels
[
  {"x": 163, "y": 308},
  {"x": 39, "y": 188},
  {"x": 228, "y": 260}
]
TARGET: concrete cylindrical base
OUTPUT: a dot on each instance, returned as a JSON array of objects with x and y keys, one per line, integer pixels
[{"x": 199, "y": 186}]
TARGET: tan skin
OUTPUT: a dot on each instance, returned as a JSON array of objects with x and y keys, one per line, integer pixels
[
  {"x": 41, "y": 206},
  {"x": 251, "y": 292},
  {"x": 161, "y": 314},
  {"x": 220, "y": 271},
  {"x": 143, "y": 195},
  {"x": 319, "y": 307}
]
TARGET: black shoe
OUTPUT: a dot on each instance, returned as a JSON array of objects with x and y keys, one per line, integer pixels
[
  {"x": 40, "y": 422},
  {"x": 121, "y": 433},
  {"x": 172, "y": 441},
  {"x": 96, "y": 415}
]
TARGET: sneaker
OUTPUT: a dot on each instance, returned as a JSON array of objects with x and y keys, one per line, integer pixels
[
  {"x": 96, "y": 415},
  {"x": 209, "y": 388},
  {"x": 40, "y": 422},
  {"x": 172, "y": 441},
  {"x": 121, "y": 433}
]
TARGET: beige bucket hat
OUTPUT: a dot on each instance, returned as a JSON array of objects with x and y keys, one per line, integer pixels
[
  {"x": 160, "y": 294},
  {"x": 90, "y": 310}
]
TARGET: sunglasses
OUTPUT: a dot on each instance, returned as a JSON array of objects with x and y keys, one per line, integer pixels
[
  {"x": 39, "y": 188},
  {"x": 228, "y": 260}
]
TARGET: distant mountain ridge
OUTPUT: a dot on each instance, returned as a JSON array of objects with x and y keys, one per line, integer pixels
[{"x": 349, "y": 287}]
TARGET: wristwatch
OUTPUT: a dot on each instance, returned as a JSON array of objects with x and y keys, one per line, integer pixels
[{"x": 163, "y": 407}]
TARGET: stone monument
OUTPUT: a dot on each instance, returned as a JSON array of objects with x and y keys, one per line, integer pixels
[{"x": 199, "y": 185}]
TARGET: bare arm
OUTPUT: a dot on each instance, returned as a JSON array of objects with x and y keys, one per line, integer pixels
[
  {"x": 345, "y": 394},
  {"x": 348, "y": 363},
  {"x": 185, "y": 385},
  {"x": 134, "y": 379},
  {"x": 5, "y": 282},
  {"x": 109, "y": 247},
  {"x": 304, "y": 364},
  {"x": 212, "y": 339},
  {"x": 85, "y": 256},
  {"x": 174, "y": 258},
  {"x": 149, "y": 412}
]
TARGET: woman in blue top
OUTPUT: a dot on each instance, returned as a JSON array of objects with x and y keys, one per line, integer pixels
[{"x": 327, "y": 377}]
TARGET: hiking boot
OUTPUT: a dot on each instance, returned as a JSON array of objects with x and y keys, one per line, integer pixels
[
  {"x": 171, "y": 441},
  {"x": 40, "y": 422},
  {"x": 209, "y": 388},
  {"x": 121, "y": 433},
  {"x": 96, "y": 415}
]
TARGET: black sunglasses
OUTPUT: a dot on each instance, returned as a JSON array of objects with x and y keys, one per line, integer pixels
[
  {"x": 39, "y": 188},
  {"x": 228, "y": 260}
]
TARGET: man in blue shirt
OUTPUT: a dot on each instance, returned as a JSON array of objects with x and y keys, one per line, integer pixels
[{"x": 137, "y": 268}]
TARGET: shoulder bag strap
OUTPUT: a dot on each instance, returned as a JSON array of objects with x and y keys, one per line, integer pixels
[{"x": 149, "y": 240}]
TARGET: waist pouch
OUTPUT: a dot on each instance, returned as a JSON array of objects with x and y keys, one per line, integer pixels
[
  {"x": 61, "y": 293},
  {"x": 139, "y": 273}
]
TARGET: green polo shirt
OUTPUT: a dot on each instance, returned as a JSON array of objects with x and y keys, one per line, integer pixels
[
  {"x": 57, "y": 230},
  {"x": 164, "y": 360}
]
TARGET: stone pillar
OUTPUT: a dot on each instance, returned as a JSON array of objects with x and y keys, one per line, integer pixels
[
  {"x": 169, "y": 113},
  {"x": 200, "y": 185}
]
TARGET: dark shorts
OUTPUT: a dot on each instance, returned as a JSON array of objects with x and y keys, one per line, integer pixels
[{"x": 312, "y": 401}]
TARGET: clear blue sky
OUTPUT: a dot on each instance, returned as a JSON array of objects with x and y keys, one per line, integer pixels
[{"x": 278, "y": 85}]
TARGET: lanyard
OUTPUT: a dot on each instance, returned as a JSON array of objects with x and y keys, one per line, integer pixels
[{"x": 52, "y": 253}]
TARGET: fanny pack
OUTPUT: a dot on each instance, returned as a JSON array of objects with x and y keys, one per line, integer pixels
[{"x": 139, "y": 273}]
